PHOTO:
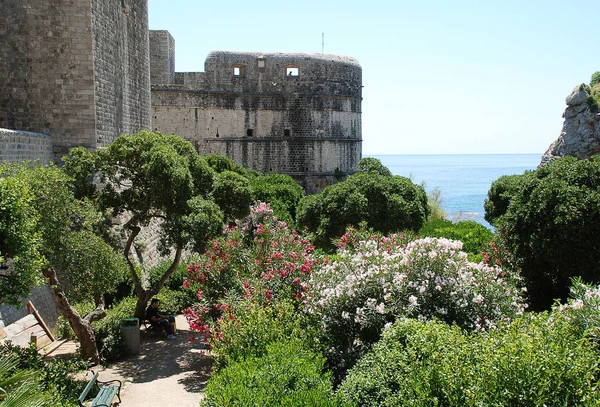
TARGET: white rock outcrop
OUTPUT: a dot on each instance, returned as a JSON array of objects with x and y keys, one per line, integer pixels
[{"x": 580, "y": 135}]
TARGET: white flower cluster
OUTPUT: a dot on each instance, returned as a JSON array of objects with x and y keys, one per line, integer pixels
[{"x": 372, "y": 285}]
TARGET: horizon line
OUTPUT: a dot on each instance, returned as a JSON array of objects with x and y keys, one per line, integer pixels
[{"x": 540, "y": 154}]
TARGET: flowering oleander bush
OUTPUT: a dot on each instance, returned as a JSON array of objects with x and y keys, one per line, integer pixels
[
  {"x": 260, "y": 258},
  {"x": 582, "y": 310},
  {"x": 377, "y": 279}
]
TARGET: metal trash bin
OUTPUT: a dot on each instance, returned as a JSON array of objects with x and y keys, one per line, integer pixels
[{"x": 130, "y": 332}]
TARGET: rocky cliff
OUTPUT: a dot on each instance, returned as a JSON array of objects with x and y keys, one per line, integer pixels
[{"x": 580, "y": 134}]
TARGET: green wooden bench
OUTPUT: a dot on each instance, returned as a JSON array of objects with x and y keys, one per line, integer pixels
[{"x": 106, "y": 394}]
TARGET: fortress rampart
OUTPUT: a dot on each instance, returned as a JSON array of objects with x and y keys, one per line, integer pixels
[
  {"x": 77, "y": 70},
  {"x": 298, "y": 114}
]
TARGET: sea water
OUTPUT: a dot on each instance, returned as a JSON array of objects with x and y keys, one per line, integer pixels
[{"x": 463, "y": 179}]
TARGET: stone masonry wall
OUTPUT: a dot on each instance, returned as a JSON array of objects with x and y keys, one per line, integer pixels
[
  {"x": 42, "y": 299},
  {"x": 24, "y": 146},
  {"x": 121, "y": 68},
  {"x": 298, "y": 114},
  {"x": 162, "y": 57},
  {"x": 46, "y": 69}
]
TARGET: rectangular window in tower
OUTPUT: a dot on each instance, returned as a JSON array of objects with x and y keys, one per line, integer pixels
[
  {"x": 287, "y": 133},
  {"x": 239, "y": 71},
  {"x": 250, "y": 132},
  {"x": 292, "y": 71}
]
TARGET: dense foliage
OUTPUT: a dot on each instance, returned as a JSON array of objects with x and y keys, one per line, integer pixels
[
  {"x": 31, "y": 381},
  {"x": 281, "y": 192},
  {"x": 385, "y": 202},
  {"x": 534, "y": 361},
  {"x": 20, "y": 240},
  {"x": 86, "y": 266},
  {"x": 548, "y": 221},
  {"x": 286, "y": 375},
  {"x": 155, "y": 177},
  {"x": 475, "y": 237},
  {"x": 261, "y": 258},
  {"x": 376, "y": 280}
]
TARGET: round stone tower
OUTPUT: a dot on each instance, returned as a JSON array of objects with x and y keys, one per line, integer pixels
[{"x": 298, "y": 114}]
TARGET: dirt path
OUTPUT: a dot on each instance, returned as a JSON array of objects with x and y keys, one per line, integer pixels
[{"x": 165, "y": 373}]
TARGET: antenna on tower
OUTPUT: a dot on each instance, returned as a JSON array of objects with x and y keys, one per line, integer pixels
[{"x": 322, "y": 42}]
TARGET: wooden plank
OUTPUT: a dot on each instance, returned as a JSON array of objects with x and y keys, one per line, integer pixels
[
  {"x": 20, "y": 325},
  {"x": 38, "y": 317},
  {"x": 21, "y": 331}
]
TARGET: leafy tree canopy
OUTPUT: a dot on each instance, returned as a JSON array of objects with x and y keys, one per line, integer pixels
[
  {"x": 386, "y": 203},
  {"x": 374, "y": 165},
  {"x": 150, "y": 177},
  {"x": 549, "y": 220},
  {"x": 220, "y": 163},
  {"x": 281, "y": 192},
  {"x": 20, "y": 241}
]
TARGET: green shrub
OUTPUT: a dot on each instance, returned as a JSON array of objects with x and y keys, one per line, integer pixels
[
  {"x": 286, "y": 375},
  {"x": 474, "y": 236},
  {"x": 175, "y": 281},
  {"x": 548, "y": 220},
  {"x": 248, "y": 328},
  {"x": 434, "y": 202},
  {"x": 386, "y": 203},
  {"x": 582, "y": 310},
  {"x": 53, "y": 378},
  {"x": 178, "y": 292},
  {"x": 281, "y": 192},
  {"x": 535, "y": 361},
  {"x": 176, "y": 301},
  {"x": 595, "y": 80},
  {"x": 108, "y": 329},
  {"x": 382, "y": 278},
  {"x": 371, "y": 164}
]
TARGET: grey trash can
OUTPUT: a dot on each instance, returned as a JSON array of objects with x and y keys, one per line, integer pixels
[{"x": 130, "y": 331}]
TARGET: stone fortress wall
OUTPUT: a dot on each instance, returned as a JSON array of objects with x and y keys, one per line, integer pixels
[
  {"x": 77, "y": 70},
  {"x": 298, "y": 114},
  {"x": 25, "y": 146}
]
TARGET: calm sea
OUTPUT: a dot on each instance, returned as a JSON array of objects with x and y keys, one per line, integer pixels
[{"x": 463, "y": 179}]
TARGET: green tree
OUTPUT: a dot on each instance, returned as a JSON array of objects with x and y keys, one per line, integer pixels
[
  {"x": 549, "y": 220},
  {"x": 502, "y": 192},
  {"x": 72, "y": 253},
  {"x": 152, "y": 177},
  {"x": 232, "y": 193},
  {"x": 20, "y": 241},
  {"x": 386, "y": 203},
  {"x": 374, "y": 165},
  {"x": 220, "y": 163},
  {"x": 281, "y": 192}
]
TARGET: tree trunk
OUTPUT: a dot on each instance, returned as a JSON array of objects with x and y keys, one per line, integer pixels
[
  {"x": 144, "y": 296},
  {"x": 81, "y": 326}
]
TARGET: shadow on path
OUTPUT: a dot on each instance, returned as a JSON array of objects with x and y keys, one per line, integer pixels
[{"x": 166, "y": 372}]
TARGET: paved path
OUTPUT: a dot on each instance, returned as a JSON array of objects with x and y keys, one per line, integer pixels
[{"x": 166, "y": 372}]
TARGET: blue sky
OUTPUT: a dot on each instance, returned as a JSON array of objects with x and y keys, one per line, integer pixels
[{"x": 456, "y": 77}]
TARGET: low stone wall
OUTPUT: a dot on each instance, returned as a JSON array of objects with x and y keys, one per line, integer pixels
[
  {"x": 42, "y": 300},
  {"x": 18, "y": 145}
]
